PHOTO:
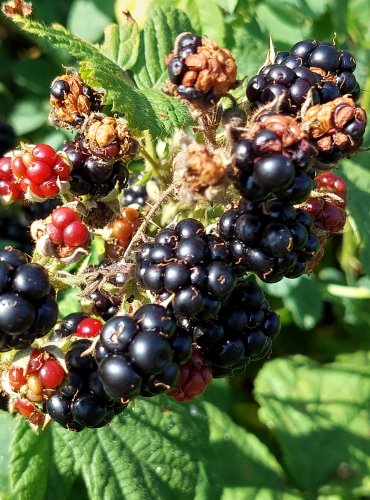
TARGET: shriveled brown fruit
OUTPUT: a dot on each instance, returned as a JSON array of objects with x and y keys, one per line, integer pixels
[{"x": 336, "y": 129}]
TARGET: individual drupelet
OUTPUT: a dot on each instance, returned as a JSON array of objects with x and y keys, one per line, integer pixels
[
  {"x": 271, "y": 239},
  {"x": 273, "y": 159},
  {"x": 309, "y": 64},
  {"x": 242, "y": 332},
  {"x": 200, "y": 69},
  {"x": 189, "y": 265},
  {"x": 28, "y": 309},
  {"x": 140, "y": 354}
]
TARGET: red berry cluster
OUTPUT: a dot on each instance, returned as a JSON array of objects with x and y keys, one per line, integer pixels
[
  {"x": 195, "y": 377},
  {"x": 39, "y": 169},
  {"x": 34, "y": 384},
  {"x": 66, "y": 228},
  {"x": 328, "y": 209},
  {"x": 125, "y": 226}
]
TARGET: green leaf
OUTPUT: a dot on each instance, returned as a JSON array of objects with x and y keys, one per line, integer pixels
[
  {"x": 228, "y": 5},
  {"x": 89, "y": 18},
  {"x": 358, "y": 184},
  {"x": 320, "y": 416},
  {"x": 33, "y": 475},
  {"x": 302, "y": 296},
  {"x": 157, "y": 39},
  {"x": 28, "y": 115},
  {"x": 239, "y": 460},
  {"x": 69, "y": 301},
  {"x": 206, "y": 17},
  {"x": 121, "y": 44},
  {"x": 7, "y": 427},
  {"x": 143, "y": 109}
]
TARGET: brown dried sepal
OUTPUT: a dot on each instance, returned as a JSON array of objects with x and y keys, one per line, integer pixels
[
  {"x": 200, "y": 174},
  {"x": 17, "y": 7},
  {"x": 76, "y": 103},
  {"x": 109, "y": 137},
  {"x": 326, "y": 125}
]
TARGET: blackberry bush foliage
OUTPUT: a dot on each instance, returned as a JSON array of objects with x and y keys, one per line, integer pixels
[{"x": 162, "y": 225}]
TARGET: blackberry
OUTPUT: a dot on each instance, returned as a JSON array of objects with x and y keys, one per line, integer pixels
[
  {"x": 309, "y": 64},
  {"x": 7, "y": 137},
  {"x": 93, "y": 175},
  {"x": 242, "y": 332},
  {"x": 268, "y": 239},
  {"x": 101, "y": 305},
  {"x": 336, "y": 129},
  {"x": 192, "y": 69},
  {"x": 72, "y": 101},
  {"x": 139, "y": 355},
  {"x": 189, "y": 264},
  {"x": 274, "y": 160},
  {"x": 81, "y": 400},
  {"x": 134, "y": 195},
  {"x": 28, "y": 308}
]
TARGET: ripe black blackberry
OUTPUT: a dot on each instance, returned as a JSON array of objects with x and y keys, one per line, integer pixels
[
  {"x": 28, "y": 309},
  {"x": 242, "y": 332},
  {"x": 308, "y": 65},
  {"x": 82, "y": 401},
  {"x": 271, "y": 239},
  {"x": 7, "y": 137},
  {"x": 190, "y": 265},
  {"x": 92, "y": 175},
  {"x": 139, "y": 355},
  {"x": 273, "y": 159},
  {"x": 134, "y": 195},
  {"x": 200, "y": 69}
]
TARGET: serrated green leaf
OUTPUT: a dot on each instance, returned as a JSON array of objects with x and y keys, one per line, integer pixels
[
  {"x": 320, "y": 416},
  {"x": 157, "y": 40},
  {"x": 121, "y": 43},
  {"x": 358, "y": 183},
  {"x": 33, "y": 475},
  {"x": 206, "y": 17},
  {"x": 143, "y": 109},
  {"x": 239, "y": 460}
]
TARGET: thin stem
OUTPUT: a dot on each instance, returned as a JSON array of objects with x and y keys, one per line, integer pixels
[{"x": 140, "y": 232}]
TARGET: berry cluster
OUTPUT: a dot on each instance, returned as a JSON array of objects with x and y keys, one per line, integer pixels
[
  {"x": 200, "y": 69},
  {"x": 28, "y": 309},
  {"x": 195, "y": 377},
  {"x": 243, "y": 331},
  {"x": 34, "y": 172},
  {"x": 336, "y": 129},
  {"x": 200, "y": 174},
  {"x": 66, "y": 228},
  {"x": 72, "y": 101},
  {"x": 91, "y": 174},
  {"x": 272, "y": 239},
  {"x": 139, "y": 355},
  {"x": 10, "y": 189},
  {"x": 189, "y": 265},
  {"x": 82, "y": 400},
  {"x": 273, "y": 159},
  {"x": 125, "y": 226},
  {"x": 309, "y": 65}
]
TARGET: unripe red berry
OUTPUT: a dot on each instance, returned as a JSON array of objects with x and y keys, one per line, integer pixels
[{"x": 63, "y": 216}]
